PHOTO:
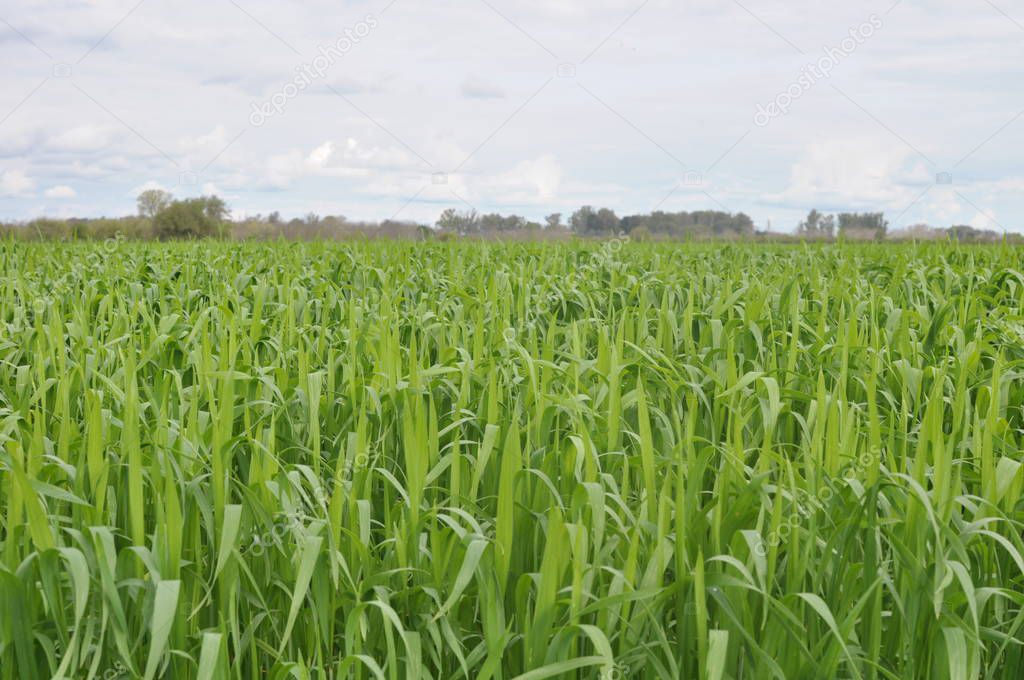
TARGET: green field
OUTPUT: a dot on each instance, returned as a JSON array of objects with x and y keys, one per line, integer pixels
[{"x": 443, "y": 460}]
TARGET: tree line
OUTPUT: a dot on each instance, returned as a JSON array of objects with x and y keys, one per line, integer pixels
[
  {"x": 874, "y": 226},
  {"x": 590, "y": 221},
  {"x": 162, "y": 217}
]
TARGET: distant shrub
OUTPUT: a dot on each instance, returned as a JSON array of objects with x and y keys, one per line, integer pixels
[
  {"x": 105, "y": 227},
  {"x": 641, "y": 233},
  {"x": 50, "y": 229}
]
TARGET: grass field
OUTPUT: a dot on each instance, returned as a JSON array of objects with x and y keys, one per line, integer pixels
[{"x": 608, "y": 460}]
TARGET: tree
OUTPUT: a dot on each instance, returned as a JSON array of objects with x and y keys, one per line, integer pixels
[
  {"x": 968, "y": 234},
  {"x": 553, "y": 221},
  {"x": 817, "y": 224},
  {"x": 588, "y": 222},
  {"x": 812, "y": 225},
  {"x": 449, "y": 220},
  {"x": 861, "y": 225},
  {"x": 827, "y": 226},
  {"x": 215, "y": 208},
  {"x": 742, "y": 224},
  {"x": 702, "y": 223},
  {"x": 513, "y": 223},
  {"x": 496, "y": 222},
  {"x": 189, "y": 219},
  {"x": 460, "y": 223},
  {"x": 581, "y": 220},
  {"x": 606, "y": 222},
  {"x": 152, "y": 201}
]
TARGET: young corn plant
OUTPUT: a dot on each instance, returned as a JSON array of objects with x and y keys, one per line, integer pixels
[{"x": 511, "y": 462}]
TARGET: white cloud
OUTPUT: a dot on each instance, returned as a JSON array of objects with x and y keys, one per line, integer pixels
[
  {"x": 855, "y": 173},
  {"x": 944, "y": 207},
  {"x": 986, "y": 220},
  {"x": 531, "y": 181},
  {"x": 82, "y": 139},
  {"x": 206, "y": 144},
  {"x": 320, "y": 156},
  {"x": 147, "y": 186},
  {"x": 15, "y": 183},
  {"x": 475, "y": 87},
  {"x": 61, "y": 191}
]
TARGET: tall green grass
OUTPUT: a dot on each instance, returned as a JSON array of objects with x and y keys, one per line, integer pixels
[{"x": 529, "y": 461}]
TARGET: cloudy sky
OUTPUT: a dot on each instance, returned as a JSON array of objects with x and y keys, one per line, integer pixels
[{"x": 403, "y": 108}]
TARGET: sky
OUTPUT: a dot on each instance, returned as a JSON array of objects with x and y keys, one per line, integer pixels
[{"x": 399, "y": 109}]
